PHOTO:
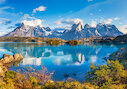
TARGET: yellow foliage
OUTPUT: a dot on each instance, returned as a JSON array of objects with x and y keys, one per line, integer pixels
[{"x": 110, "y": 76}]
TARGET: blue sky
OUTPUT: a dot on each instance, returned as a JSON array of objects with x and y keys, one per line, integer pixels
[{"x": 62, "y": 13}]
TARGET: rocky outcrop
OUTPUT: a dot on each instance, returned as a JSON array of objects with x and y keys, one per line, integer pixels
[{"x": 8, "y": 59}]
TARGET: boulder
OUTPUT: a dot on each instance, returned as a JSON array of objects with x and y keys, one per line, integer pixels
[
  {"x": 8, "y": 59},
  {"x": 18, "y": 57}
]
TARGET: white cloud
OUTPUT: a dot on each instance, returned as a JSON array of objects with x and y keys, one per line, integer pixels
[
  {"x": 123, "y": 29},
  {"x": 3, "y": 33},
  {"x": 40, "y": 8},
  {"x": 93, "y": 23},
  {"x": 4, "y": 19},
  {"x": 73, "y": 21},
  {"x": 69, "y": 21},
  {"x": 27, "y": 16},
  {"x": 4, "y": 12},
  {"x": 5, "y": 8},
  {"x": 116, "y": 18},
  {"x": 36, "y": 22},
  {"x": 2, "y": 1},
  {"x": 0, "y": 22},
  {"x": 67, "y": 27},
  {"x": 58, "y": 22},
  {"x": 108, "y": 21},
  {"x": 85, "y": 11}
]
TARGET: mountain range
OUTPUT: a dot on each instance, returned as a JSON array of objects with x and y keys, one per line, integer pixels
[{"x": 77, "y": 31}]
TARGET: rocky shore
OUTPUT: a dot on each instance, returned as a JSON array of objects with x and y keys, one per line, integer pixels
[
  {"x": 8, "y": 59},
  {"x": 120, "y": 55}
]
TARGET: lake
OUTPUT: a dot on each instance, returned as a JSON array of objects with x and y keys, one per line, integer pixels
[{"x": 71, "y": 60}]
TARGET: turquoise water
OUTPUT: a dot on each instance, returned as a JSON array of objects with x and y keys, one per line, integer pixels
[{"x": 64, "y": 59}]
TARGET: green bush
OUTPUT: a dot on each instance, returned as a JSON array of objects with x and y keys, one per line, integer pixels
[
  {"x": 110, "y": 76},
  {"x": 10, "y": 74},
  {"x": 107, "y": 75},
  {"x": 54, "y": 42}
]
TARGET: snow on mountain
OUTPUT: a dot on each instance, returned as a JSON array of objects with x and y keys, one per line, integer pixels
[
  {"x": 30, "y": 31},
  {"x": 77, "y": 31}
]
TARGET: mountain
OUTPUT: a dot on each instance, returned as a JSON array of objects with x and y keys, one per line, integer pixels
[
  {"x": 57, "y": 33},
  {"x": 30, "y": 31},
  {"x": 77, "y": 31},
  {"x": 108, "y": 30}
]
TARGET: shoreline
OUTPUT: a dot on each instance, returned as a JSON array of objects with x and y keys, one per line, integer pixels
[{"x": 42, "y": 79}]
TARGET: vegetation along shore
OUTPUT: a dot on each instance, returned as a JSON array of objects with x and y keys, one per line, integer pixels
[{"x": 110, "y": 76}]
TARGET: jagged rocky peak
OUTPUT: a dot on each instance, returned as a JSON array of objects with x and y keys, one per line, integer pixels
[
  {"x": 24, "y": 30},
  {"x": 106, "y": 25},
  {"x": 108, "y": 30},
  {"x": 77, "y": 31},
  {"x": 77, "y": 27},
  {"x": 103, "y": 30},
  {"x": 23, "y": 27},
  {"x": 86, "y": 26},
  {"x": 100, "y": 24},
  {"x": 47, "y": 29}
]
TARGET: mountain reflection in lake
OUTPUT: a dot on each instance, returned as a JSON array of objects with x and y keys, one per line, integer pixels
[{"x": 64, "y": 59}]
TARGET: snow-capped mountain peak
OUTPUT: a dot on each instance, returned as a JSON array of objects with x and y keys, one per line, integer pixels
[{"x": 77, "y": 31}]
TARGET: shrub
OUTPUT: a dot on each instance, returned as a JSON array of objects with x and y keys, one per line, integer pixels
[
  {"x": 110, "y": 76},
  {"x": 106, "y": 75},
  {"x": 73, "y": 42},
  {"x": 10, "y": 74},
  {"x": 54, "y": 42}
]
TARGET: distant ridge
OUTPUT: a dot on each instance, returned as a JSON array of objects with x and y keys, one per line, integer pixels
[{"x": 77, "y": 31}]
